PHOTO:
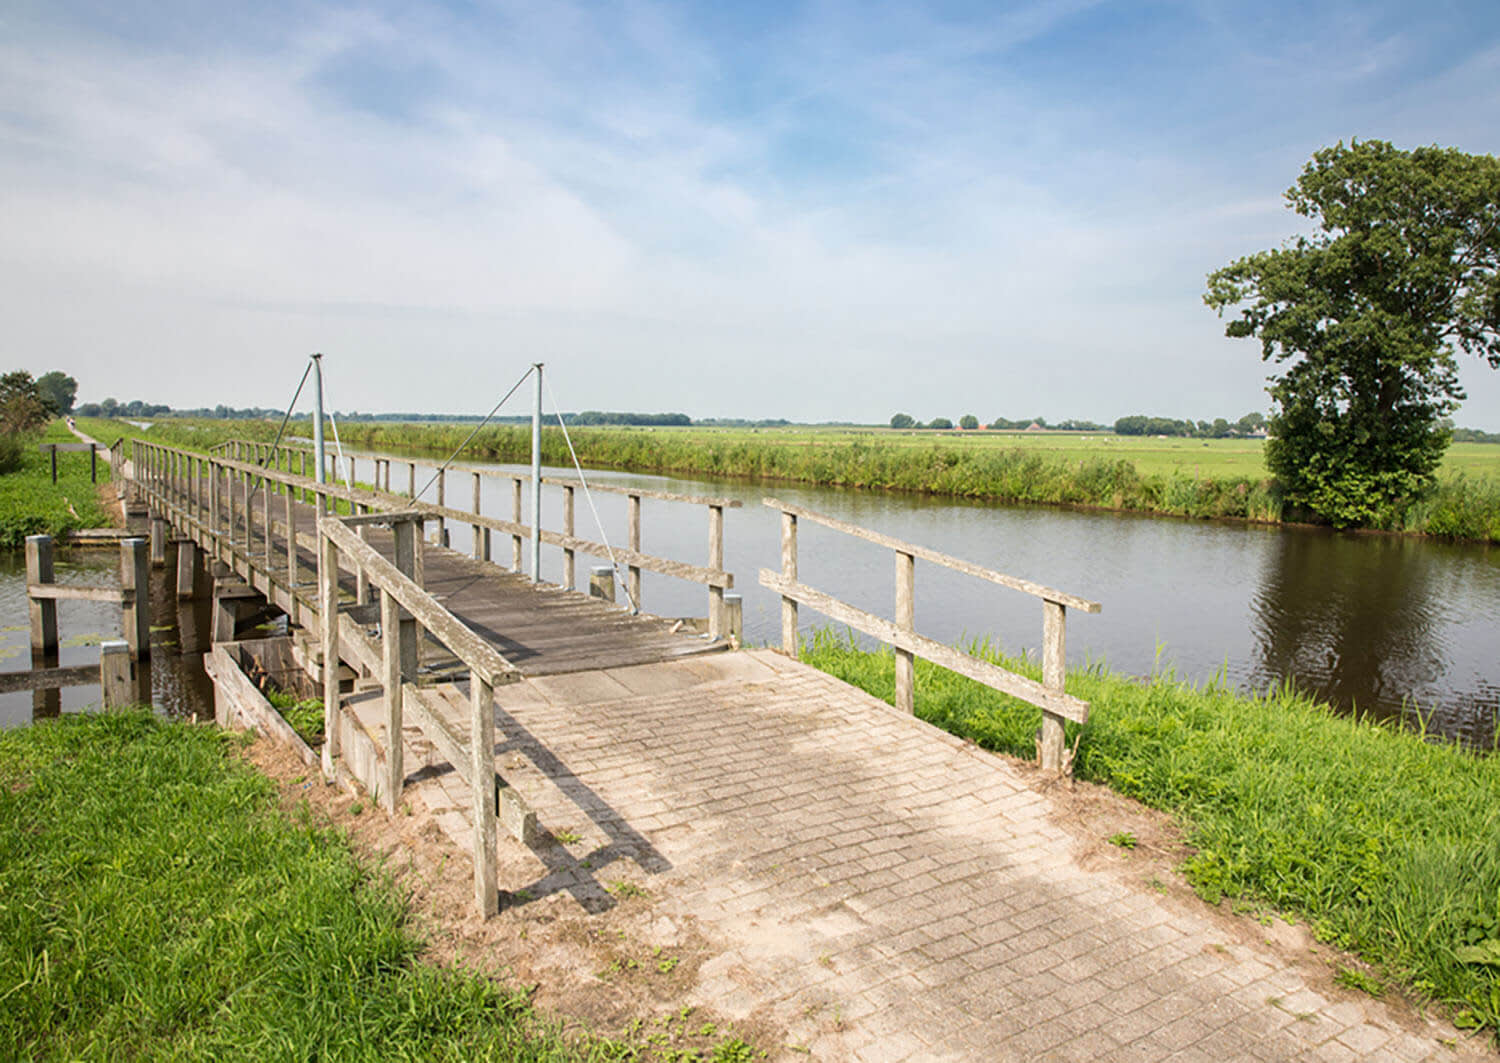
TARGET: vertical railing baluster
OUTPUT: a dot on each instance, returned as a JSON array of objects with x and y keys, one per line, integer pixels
[
  {"x": 789, "y": 642},
  {"x": 1054, "y": 675},
  {"x": 716, "y": 562},
  {"x": 633, "y": 572},
  {"x": 905, "y": 620},
  {"x": 570, "y": 556}
]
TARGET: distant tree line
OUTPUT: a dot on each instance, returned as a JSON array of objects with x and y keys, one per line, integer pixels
[{"x": 1218, "y": 428}]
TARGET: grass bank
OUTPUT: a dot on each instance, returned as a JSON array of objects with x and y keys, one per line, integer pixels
[
  {"x": 1384, "y": 844},
  {"x": 155, "y": 903},
  {"x": 1185, "y": 478},
  {"x": 31, "y": 504}
]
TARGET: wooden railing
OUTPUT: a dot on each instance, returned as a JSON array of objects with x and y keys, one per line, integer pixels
[
  {"x": 213, "y": 500},
  {"x": 712, "y": 575},
  {"x": 1049, "y": 695},
  {"x": 406, "y": 611}
]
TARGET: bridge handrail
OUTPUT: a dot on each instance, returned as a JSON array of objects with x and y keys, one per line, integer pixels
[
  {"x": 1049, "y": 695},
  {"x": 712, "y": 575},
  {"x": 452, "y": 632}
]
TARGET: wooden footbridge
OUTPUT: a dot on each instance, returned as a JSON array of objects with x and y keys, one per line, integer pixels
[{"x": 864, "y": 884}]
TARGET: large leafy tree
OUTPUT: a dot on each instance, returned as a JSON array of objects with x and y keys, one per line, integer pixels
[
  {"x": 22, "y": 406},
  {"x": 59, "y": 389},
  {"x": 1369, "y": 314}
]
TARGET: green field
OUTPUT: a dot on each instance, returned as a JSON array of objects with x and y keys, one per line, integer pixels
[{"x": 31, "y": 504}]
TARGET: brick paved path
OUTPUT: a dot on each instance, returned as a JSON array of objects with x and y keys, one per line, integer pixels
[{"x": 881, "y": 890}]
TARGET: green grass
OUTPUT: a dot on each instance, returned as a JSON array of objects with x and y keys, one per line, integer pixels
[
  {"x": 1181, "y": 477},
  {"x": 155, "y": 904},
  {"x": 1387, "y": 845},
  {"x": 30, "y": 504},
  {"x": 305, "y": 715}
]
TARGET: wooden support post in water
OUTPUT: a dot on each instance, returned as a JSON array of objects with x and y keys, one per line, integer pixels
[
  {"x": 187, "y": 569},
  {"x": 482, "y": 785},
  {"x": 135, "y": 581},
  {"x": 569, "y": 578},
  {"x": 789, "y": 643},
  {"x": 906, "y": 686},
  {"x": 43, "y": 611},
  {"x": 116, "y": 683},
  {"x": 478, "y": 547},
  {"x": 390, "y": 646},
  {"x": 716, "y": 562},
  {"x": 158, "y": 542},
  {"x": 328, "y": 609},
  {"x": 515, "y": 515},
  {"x": 1054, "y": 674},
  {"x": 602, "y": 582}
]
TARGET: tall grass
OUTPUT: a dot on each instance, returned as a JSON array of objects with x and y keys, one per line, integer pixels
[
  {"x": 155, "y": 903},
  {"x": 1385, "y": 844},
  {"x": 30, "y": 504},
  {"x": 1460, "y": 506}
]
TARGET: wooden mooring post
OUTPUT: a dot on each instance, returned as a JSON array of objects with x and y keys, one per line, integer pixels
[{"x": 43, "y": 593}]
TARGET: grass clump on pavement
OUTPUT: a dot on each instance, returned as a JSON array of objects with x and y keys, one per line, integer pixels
[
  {"x": 156, "y": 903},
  {"x": 1387, "y": 845}
]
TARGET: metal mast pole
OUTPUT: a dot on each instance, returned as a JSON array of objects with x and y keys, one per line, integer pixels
[
  {"x": 536, "y": 479},
  {"x": 318, "y": 418}
]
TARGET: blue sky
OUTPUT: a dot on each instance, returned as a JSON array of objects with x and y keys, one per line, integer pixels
[{"x": 821, "y": 211}]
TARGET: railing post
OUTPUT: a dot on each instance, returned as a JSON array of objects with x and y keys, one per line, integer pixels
[
  {"x": 411, "y": 479},
  {"x": 391, "y": 651},
  {"x": 716, "y": 562},
  {"x": 515, "y": 509},
  {"x": 789, "y": 642},
  {"x": 482, "y": 773},
  {"x": 602, "y": 583},
  {"x": 39, "y": 572},
  {"x": 569, "y": 555},
  {"x": 265, "y": 503},
  {"x": 633, "y": 572},
  {"x": 906, "y": 694},
  {"x": 1054, "y": 674},
  {"x": 135, "y": 581},
  {"x": 328, "y": 602},
  {"x": 734, "y": 618},
  {"x": 407, "y": 543},
  {"x": 478, "y": 546},
  {"x": 361, "y": 578},
  {"x": 291, "y": 551},
  {"x": 442, "y": 525},
  {"x": 249, "y": 520},
  {"x": 213, "y": 504}
]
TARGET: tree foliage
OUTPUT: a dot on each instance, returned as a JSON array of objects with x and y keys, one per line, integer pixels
[
  {"x": 902, "y": 420},
  {"x": 23, "y": 408},
  {"x": 968, "y": 422},
  {"x": 58, "y": 389},
  {"x": 1369, "y": 314}
]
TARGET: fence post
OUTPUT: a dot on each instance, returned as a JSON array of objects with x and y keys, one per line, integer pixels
[
  {"x": 328, "y": 602},
  {"x": 411, "y": 480},
  {"x": 135, "y": 581},
  {"x": 734, "y": 618},
  {"x": 515, "y": 510},
  {"x": 1054, "y": 674},
  {"x": 716, "y": 562},
  {"x": 391, "y": 649},
  {"x": 478, "y": 546},
  {"x": 115, "y": 680},
  {"x": 569, "y": 558},
  {"x": 906, "y": 686},
  {"x": 407, "y": 542},
  {"x": 482, "y": 771},
  {"x": 43, "y": 611},
  {"x": 789, "y": 644},
  {"x": 602, "y": 583},
  {"x": 633, "y": 572}
]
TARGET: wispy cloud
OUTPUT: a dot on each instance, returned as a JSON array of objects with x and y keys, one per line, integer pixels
[{"x": 1011, "y": 207}]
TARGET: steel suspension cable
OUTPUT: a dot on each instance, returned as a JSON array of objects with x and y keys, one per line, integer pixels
[{"x": 494, "y": 410}]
